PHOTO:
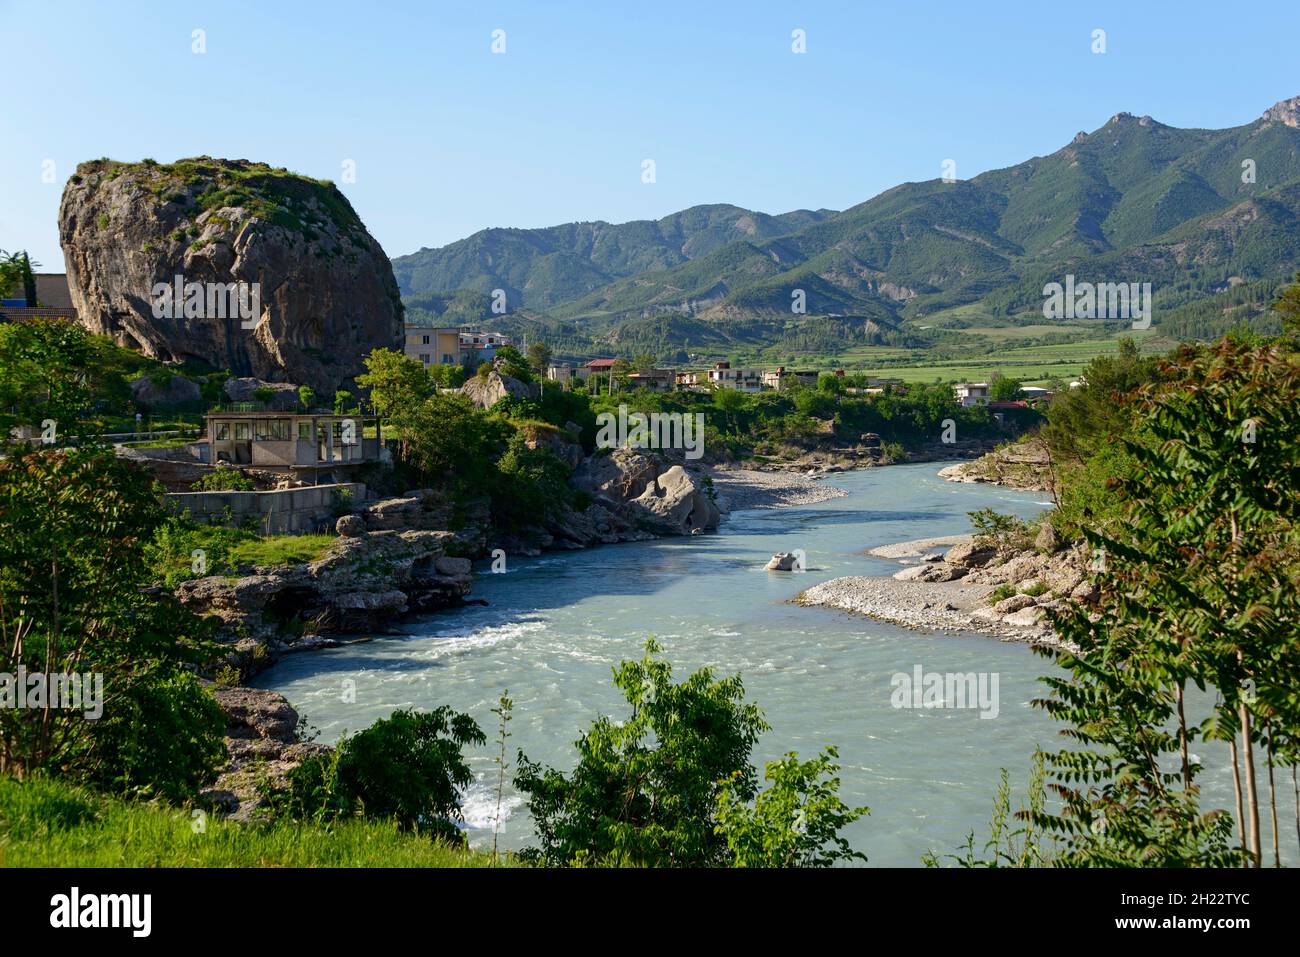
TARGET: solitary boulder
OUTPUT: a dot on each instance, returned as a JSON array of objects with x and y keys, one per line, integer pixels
[
  {"x": 1013, "y": 603},
  {"x": 1047, "y": 541},
  {"x": 350, "y": 526},
  {"x": 174, "y": 391},
  {"x": 970, "y": 555},
  {"x": 487, "y": 391}
]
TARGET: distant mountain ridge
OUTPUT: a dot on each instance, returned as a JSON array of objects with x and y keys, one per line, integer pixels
[
  {"x": 1192, "y": 211},
  {"x": 539, "y": 268}
]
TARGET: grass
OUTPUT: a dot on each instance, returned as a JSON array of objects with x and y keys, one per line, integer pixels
[
  {"x": 46, "y": 823},
  {"x": 227, "y": 550},
  {"x": 281, "y": 550}
]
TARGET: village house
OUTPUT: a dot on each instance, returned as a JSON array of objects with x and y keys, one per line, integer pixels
[
  {"x": 653, "y": 380},
  {"x": 782, "y": 378},
  {"x": 722, "y": 376},
  {"x": 429, "y": 345},
  {"x": 450, "y": 346},
  {"x": 971, "y": 393},
  {"x": 49, "y": 298},
  {"x": 566, "y": 374}
]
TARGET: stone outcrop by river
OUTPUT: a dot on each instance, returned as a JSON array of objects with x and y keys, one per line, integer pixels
[
  {"x": 954, "y": 590},
  {"x": 1024, "y": 464}
]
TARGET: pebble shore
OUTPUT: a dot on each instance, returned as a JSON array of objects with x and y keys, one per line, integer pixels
[{"x": 749, "y": 488}]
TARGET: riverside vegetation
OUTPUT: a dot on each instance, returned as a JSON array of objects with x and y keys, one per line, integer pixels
[{"x": 1180, "y": 472}]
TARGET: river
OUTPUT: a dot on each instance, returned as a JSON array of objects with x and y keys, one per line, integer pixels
[{"x": 555, "y": 625}]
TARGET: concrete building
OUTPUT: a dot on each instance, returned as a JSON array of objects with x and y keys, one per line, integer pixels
[
  {"x": 722, "y": 376},
  {"x": 309, "y": 447},
  {"x": 782, "y": 378},
  {"x": 971, "y": 393},
  {"x": 566, "y": 374},
  {"x": 653, "y": 380},
  {"x": 48, "y": 298},
  {"x": 450, "y": 346},
  {"x": 430, "y": 345}
]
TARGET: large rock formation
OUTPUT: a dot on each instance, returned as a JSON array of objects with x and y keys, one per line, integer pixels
[
  {"x": 325, "y": 290},
  {"x": 648, "y": 492},
  {"x": 487, "y": 391}
]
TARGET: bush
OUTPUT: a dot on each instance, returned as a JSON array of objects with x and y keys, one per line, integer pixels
[
  {"x": 1006, "y": 533},
  {"x": 223, "y": 479},
  {"x": 407, "y": 767},
  {"x": 669, "y": 785},
  {"x": 162, "y": 737}
]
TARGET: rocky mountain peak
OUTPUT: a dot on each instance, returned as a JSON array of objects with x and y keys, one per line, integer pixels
[{"x": 1286, "y": 112}]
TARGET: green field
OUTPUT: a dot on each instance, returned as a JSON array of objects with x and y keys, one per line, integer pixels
[{"x": 1032, "y": 364}]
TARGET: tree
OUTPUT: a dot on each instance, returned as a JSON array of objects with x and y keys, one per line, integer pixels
[
  {"x": 73, "y": 600},
  {"x": 1080, "y": 421},
  {"x": 394, "y": 380},
  {"x": 1287, "y": 306},
  {"x": 729, "y": 402},
  {"x": 306, "y": 397},
  {"x": 539, "y": 357},
  {"x": 17, "y": 276},
  {"x": 447, "y": 440},
  {"x": 668, "y": 785},
  {"x": 1199, "y": 588},
  {"x": 643, "y": 362},
  {"x": 511, "y": 362},
  {"x": 1004, "y": 389},
  {"x": 45, "y": 374},
  {"x": 618, "y": 371},
  {"x": 533, "y": 485}
]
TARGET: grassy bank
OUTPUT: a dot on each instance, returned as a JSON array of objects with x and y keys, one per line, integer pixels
[{"x": 49, "y": 824}]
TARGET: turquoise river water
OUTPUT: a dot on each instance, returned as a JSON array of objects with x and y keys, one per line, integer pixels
[{"x": 555, "y": 625}]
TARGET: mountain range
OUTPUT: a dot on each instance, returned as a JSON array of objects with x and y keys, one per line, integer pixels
[{"x": 1195, "y": 212}]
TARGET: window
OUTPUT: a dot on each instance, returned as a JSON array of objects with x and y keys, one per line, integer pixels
[
  {"x": 304, "y": 431},
  {"x": 223, "y": 431},
  {"x": 241, "y": 431},
  {"x": 447, "y": 359},
  {"x": 424, "y": 340},
  {"x": 272, "y": 430},
  {"x": 424, "y": 357}
]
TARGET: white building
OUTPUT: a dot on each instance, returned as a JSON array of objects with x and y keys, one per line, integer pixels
[
  {"x": 722, "y": 376},
  {"x": 971, "y": 393}
]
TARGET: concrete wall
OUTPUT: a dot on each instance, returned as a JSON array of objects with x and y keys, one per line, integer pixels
[{"x": 287, "y": 511}]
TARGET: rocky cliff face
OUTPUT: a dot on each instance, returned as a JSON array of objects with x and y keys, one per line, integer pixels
[{"x": 325, "y": 292}]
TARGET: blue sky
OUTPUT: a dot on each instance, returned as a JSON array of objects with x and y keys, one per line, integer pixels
[{"x": 449, "y": 138}]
